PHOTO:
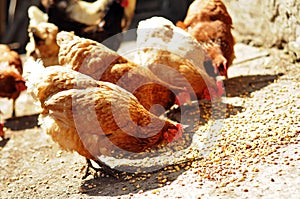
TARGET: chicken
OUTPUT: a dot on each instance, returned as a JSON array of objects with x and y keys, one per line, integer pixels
[
  {"x": 42, "y": 37},
  {"x": 11, "y": 80},
  {"x": 98, "y": 20},
  {"x": 95, "y": 118},
  {"x": 175, "y": 57},
  {"x": 94, "y": 59},
  {"x": 210, "y": 23}
]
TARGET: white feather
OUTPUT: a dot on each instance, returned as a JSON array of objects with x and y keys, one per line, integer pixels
[{"x": 159, "y": 34}]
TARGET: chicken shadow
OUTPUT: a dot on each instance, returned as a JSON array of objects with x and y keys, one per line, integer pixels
[
  {"x": 245, "y": 85},
  {"x": 234, "y": 87},
  {"x": 22, "y": 122},
  {"x": 110, "y": 186},
  {"x": 201, "y": 112}
]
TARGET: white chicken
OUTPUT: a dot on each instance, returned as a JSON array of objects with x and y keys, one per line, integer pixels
[
  {"x": 175, "y": 56},
  {"x": 42, "y": 37}
]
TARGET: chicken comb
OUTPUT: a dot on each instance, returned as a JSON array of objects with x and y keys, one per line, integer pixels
[{"x": 124, "y": 3}]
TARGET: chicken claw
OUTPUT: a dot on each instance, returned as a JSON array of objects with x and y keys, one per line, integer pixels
[{"x": 104, "y": 169}]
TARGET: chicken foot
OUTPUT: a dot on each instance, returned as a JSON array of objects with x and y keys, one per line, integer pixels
[{"x": 104, "y": 169}]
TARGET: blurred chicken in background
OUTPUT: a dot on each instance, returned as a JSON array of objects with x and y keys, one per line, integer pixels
[
  {"x": 11, "y": 80},
  {"x": 98, "y": 20},
  {"x": 14, "y": 31},
  {"x": 42, "y": 37}
]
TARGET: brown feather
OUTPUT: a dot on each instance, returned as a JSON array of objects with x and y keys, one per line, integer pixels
[
  {"x": 210, "y": 23},
  {"x": 101, "y": 63}
]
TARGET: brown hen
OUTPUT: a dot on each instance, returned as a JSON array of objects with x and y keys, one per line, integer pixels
[
  {"x": 210, "y": 23},
  {"x": 11, "y": 80},
  {"x": 96, "y": 118}
]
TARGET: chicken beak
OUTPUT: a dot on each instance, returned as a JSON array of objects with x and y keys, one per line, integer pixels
[{"x": 223, "y": 69}]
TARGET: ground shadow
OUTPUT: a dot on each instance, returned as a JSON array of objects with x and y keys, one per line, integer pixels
[
  {"x": 109, "y": 186},
  {"x": 206, "y": 110},
  {"x": 244, "y": 85},
  {"x": 22, "y": 122}
]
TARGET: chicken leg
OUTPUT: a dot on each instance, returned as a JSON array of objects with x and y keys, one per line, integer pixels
[
  {"x": 14, "y": 108},
  {"x": 105, "y": 169}
]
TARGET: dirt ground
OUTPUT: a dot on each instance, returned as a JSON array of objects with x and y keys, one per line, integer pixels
[{"x": 256, "y": 155}]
